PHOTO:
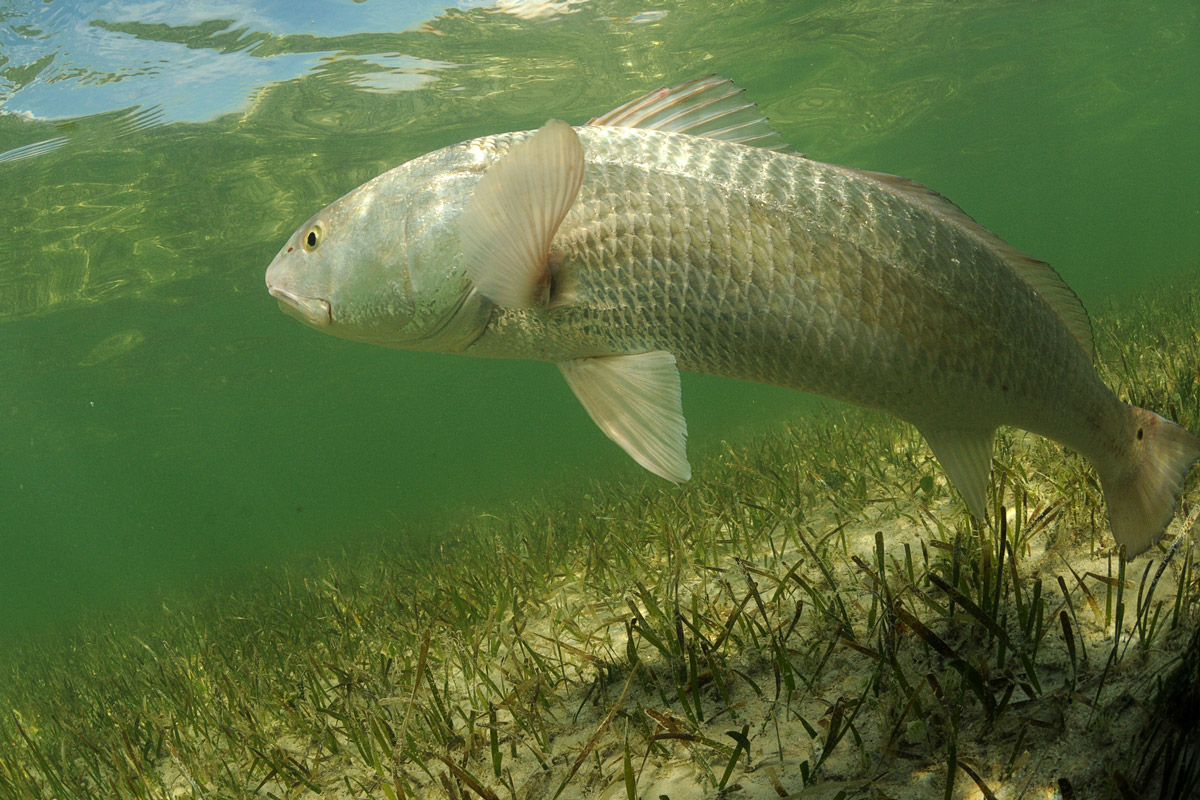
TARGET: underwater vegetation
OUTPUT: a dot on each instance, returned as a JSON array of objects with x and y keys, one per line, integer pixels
[{"x": 816, "y": 615}]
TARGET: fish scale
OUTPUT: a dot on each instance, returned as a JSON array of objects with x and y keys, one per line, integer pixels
[
  {"x": 783, "y": 256},
  {"x": 628, "y": 248}
]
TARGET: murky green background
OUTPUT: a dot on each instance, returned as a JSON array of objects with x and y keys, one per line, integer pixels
[{"x": 163, "y": 425}]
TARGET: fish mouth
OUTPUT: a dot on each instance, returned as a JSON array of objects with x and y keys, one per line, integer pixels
[{"x": 309, "y": 310}]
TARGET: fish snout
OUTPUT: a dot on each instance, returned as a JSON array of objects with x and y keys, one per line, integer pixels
[{"x": 312, "y": 311}]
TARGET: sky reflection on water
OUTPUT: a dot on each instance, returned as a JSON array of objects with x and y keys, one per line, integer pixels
[{"x": 193, "y": 62}]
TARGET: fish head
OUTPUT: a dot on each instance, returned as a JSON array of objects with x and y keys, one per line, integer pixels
[
  {"x": 383, "y": 264},
  {"x": 300, "y": 276}
]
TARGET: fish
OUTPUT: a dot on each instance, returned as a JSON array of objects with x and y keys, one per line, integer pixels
[{"x": 680, "y": 231}]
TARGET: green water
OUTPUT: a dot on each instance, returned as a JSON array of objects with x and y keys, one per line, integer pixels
[{"x": 162, "y": 425}]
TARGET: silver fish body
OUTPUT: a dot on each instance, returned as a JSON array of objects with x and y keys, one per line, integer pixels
[
  {"x": 779, "y": 269},
  {"x": 740, "y": 261}
]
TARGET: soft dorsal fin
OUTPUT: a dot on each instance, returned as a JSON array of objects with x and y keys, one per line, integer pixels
[
  {"x": 636, "y": 402},
  {"x": 1040, "y": 276},
  {"x": 511, "y": 218},
  {"x": 711, "y": 106}
]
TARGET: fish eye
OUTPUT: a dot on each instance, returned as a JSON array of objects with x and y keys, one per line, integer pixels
[{"x": 312, "y": 238}]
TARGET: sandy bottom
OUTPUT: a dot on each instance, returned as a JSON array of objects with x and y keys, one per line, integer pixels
[{"x": 875, "y": 710}]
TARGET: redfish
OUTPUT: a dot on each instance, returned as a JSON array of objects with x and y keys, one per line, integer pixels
[{"x": 677, "y": 232}]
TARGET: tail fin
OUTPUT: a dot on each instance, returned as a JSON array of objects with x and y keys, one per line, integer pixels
[{"x": 1141, "y": 497}]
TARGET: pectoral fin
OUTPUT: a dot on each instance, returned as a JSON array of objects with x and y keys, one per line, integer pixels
[
  {"x": 512, "y": 216},
  {"x": 636, "y": 402},
  {"x": 966, "y": 455}
]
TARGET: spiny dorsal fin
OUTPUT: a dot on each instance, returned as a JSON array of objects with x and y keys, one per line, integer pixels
[
  {"x": 1040, "y": 276},
  {"x": 711, "y": 106},
  {"x": 511, "y": 217}
]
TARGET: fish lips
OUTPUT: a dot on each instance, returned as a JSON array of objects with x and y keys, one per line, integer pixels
[{"x": 313, "y": 311}]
